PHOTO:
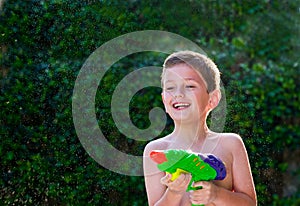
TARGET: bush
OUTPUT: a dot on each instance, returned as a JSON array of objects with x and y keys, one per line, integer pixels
[{"x": 45, "y": 43}]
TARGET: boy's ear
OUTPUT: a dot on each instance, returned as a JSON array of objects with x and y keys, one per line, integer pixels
[
  {"x": 162, "y": 97},
  {"x": 214, "y": 99}
]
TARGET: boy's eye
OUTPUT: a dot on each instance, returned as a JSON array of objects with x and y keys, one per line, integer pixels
[
  {"x": 190, "y": 86},
  {"x": 169, "y": 88}
]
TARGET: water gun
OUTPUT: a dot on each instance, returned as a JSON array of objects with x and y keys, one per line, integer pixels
[{"x": 202, "y": 167}]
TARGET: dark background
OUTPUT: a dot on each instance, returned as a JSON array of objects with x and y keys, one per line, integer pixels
[{"x": 45, "y": 43}]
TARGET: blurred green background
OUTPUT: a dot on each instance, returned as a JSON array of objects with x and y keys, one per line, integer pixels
[{"x": 45, "y": 43}]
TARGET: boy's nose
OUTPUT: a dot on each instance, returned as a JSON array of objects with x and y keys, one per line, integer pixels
[{"x": 178, "y": 93}]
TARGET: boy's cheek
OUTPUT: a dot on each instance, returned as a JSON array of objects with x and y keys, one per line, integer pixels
[
  {"x": 165, "y": 99},
  {"x": 167, "y": 94},
  {"x": 166, "y": 106}
]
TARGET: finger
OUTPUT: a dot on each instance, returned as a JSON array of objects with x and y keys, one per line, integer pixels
[
  {"x": 166, "y": 179},
  {"x": 184, "y": 179},
  {"x": 197, "y": 202},
  {"x": 197, "y": 198},
  {"x": 187, "y": 180},
  {"x": 202, "y": 184},
  {"x": 179, "y": 179},
  {"x": 196, "y": 194},
  {"x": 189, "y": 177},
  {"x": 180, "y": 182},
  {"x": 168, "y": 176}
]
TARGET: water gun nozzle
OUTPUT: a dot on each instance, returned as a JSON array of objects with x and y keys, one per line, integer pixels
[{"x": 158, "y": 157}]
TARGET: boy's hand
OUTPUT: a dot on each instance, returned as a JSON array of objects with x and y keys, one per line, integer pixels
[
  {"x": 179, "y": 185},
  {"x": 206, "y": 195}
]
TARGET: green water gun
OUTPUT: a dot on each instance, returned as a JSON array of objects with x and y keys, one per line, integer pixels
[{"x": 202, "y": 167}]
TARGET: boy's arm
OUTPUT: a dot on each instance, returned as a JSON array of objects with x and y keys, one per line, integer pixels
[
  {"x": 242, "y": 176},
  {"x": 158, "y": 193},
  {"x": 243, "y": 186}
]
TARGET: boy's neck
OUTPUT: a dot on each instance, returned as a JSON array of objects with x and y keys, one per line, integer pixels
[{"x": 191, "y": 135}]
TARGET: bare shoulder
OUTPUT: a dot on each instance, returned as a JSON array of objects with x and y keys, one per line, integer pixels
[
  {"x": 158, "y": 144},
  {"x": 232, "y": 140},
  {"x": 151, "y": 171},
  {"x": 233, "y": 143}
]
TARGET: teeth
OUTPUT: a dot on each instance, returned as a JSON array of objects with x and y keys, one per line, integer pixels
[{"x": 176, "y": 105}]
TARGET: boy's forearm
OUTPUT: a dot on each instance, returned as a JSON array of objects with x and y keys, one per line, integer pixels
[
  {"x": 226, "y": 197},
  {"x": 170, "y": 198}
]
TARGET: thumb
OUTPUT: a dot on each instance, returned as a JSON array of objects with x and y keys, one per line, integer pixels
[
  {"x": 168, "y": 176},
  {"x": 166, "y": 179}
]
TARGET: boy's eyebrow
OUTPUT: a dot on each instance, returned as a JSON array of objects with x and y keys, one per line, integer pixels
[
  {"x": 169, "y": 81},
  {"x": 186, "y": 79},
  {"x": 189, "y": 78}
]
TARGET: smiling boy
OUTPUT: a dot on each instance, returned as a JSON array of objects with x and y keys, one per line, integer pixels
[{"x": 191, "y": 89}]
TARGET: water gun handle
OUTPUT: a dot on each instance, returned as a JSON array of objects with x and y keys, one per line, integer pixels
[{"x": 177, "y": 173}]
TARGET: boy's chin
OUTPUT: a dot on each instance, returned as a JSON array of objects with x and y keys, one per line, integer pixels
[
  {"x": 187, "y": 117},
  {"x": 184, "y": 118}
]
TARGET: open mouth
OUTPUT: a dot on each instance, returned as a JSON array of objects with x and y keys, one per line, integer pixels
[{"x": 180, "y": 106}]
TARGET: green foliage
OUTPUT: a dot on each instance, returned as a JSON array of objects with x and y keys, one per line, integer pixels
[{"x": 45, "y": 43}]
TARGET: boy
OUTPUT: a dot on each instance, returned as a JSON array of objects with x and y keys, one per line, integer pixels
[{"x": 191, "y": 89}]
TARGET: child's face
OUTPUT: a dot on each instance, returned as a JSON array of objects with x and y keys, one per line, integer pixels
[{"x": 184, "y": 93}]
